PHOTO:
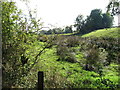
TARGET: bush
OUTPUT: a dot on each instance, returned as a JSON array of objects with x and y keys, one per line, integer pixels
[
  {"x": 72, "y": 41},
  {"x": 65, "y": 55}
]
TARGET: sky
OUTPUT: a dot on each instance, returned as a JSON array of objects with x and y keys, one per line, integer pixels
[{"x": 60, "y": 13}]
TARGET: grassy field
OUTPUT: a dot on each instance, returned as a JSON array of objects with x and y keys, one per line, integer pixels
[
  {"x": 66, "y": 69},
  {"x": 110, "y": 32},
  {"x": 69, "y": 71},
  {"x": 73, "y": 62}
]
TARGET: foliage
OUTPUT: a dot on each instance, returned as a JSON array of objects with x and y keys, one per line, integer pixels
[
  {"x": 72, "y": 73},
  {"x": 68, "y": 29},
  {"x": 96, "y": 20},
  {"x": 63, "y": 59},
  {"x": 64, "y": 52},
  {"x": 72, "y": 41},
  {"x": 18, "y": 36},
  {"x": 79, "y": 22},
  {"x": 56, "y": 30},
  {"x": 107, "y": 20},
  {"x": 113, "y": 7},
  {"x": 97, "y": 52},
  {"x": 66, "y": 74}
]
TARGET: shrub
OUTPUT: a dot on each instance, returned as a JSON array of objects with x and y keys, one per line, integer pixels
[
  {"x": 65, "y": 55},
  {"x": 72, "y": 41}
]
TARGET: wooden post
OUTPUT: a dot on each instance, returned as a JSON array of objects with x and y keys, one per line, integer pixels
[{"x": 40, "y": 80}]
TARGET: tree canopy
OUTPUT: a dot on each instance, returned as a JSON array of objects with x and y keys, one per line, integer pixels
[
  {"x": 96, "y": 20},
  {"x": 113, "y": 7},
  {"x": 17, "y": 37}
]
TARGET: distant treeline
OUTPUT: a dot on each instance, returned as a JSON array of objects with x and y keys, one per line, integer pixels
[{"x": 96, "y": 20}]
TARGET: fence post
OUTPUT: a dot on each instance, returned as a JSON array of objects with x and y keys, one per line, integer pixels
[{"x": 40, "y": 80}]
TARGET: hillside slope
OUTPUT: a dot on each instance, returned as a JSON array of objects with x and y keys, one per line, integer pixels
[{"x": 109, "y": 32}]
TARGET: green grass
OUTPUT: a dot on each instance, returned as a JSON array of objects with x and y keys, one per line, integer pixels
[
  {"x": 66, "y": 34},
  {"x": 110, "y": 32},
  {"x": 61, "y": 74}
]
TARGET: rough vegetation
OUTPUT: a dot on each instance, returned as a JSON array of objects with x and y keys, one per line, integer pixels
[{"x": 67, "y": 61}]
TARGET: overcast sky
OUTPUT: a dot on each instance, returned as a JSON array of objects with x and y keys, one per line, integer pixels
[{"x": 63, "y": 12}]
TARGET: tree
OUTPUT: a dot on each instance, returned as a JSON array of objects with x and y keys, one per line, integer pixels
[
  {"x": 113, "y": 7},
  {"x": 96, "y": 20},
  {"x": 107, "y": 20},
  {"x": 86, "y": 28},
  {"x": 11, "y": 50},
  {"x": 68, "y": 29},
  {"x": 49, "y": 32},
  {"x": 57, "y": 30},
  {"x": 79, "y": 22},
  {"x": 16, "y": 40}
]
